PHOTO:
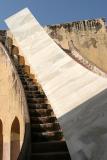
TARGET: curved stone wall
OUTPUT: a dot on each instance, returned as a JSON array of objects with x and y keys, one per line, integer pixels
[
  {"x": 88, "y": 36},
  {"x": 12, "y": 105}
]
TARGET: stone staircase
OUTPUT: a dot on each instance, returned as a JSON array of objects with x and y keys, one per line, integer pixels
[{"x": 47, "y": 141}]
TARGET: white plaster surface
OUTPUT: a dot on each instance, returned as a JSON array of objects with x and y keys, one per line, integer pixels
[{"x": 70, "y": 87}]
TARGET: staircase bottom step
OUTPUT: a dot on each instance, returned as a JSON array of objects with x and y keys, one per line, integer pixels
[
  {"x": 51, "y": 156},
  {"x": 56, "y": 146}
]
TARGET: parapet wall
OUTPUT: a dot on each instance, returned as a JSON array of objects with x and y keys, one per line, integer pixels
[
  {"x": 85, "y": 25},
  {"x": 89, "y": 37}
]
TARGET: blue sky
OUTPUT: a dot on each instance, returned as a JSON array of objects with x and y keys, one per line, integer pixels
[{"x": 55, "y": 11}]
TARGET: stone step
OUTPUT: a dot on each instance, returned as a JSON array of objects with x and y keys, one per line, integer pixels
[
  {"x": 29, "y": 82},
  {"x": 37, "y": 100},
  {"x": 23, "y": 76},
  {"x": 51, "y": 146},
  {"x": 20, "y": 66},
  {"x": 42, "y": 120},
  {"x": 40, "y": 112},
  {"x": 36, "y": 95},
  {"x": 32, "y": 92},
  {"x": 21, "y": 72},
  {"x": 46, "y": 136},
  {"x": 45, "y": 127},
  {"x": 20, "y": 69},
  {"x": 39, "y": 106},
  {"x": 51, "y": 156},
  {"x": 26, "y": 82},
  {"x": 30, "y": 87},
  {"x": 24, "y": 79}
]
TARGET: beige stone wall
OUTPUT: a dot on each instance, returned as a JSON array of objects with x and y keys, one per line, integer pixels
[
  {"x": 12, "y": 102},
  {"x": 88, "y": 37}
]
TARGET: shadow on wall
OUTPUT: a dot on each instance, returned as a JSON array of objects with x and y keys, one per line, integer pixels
[
  {"x": 86, "y": 129},
  {"x": 15, "y": 139},
  {"x": 1, "y": 140}
]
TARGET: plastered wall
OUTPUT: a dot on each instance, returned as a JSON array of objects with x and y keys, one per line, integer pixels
[
  {"x": 89, "y": 37},
  {"x": 12, "y": 103}
]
